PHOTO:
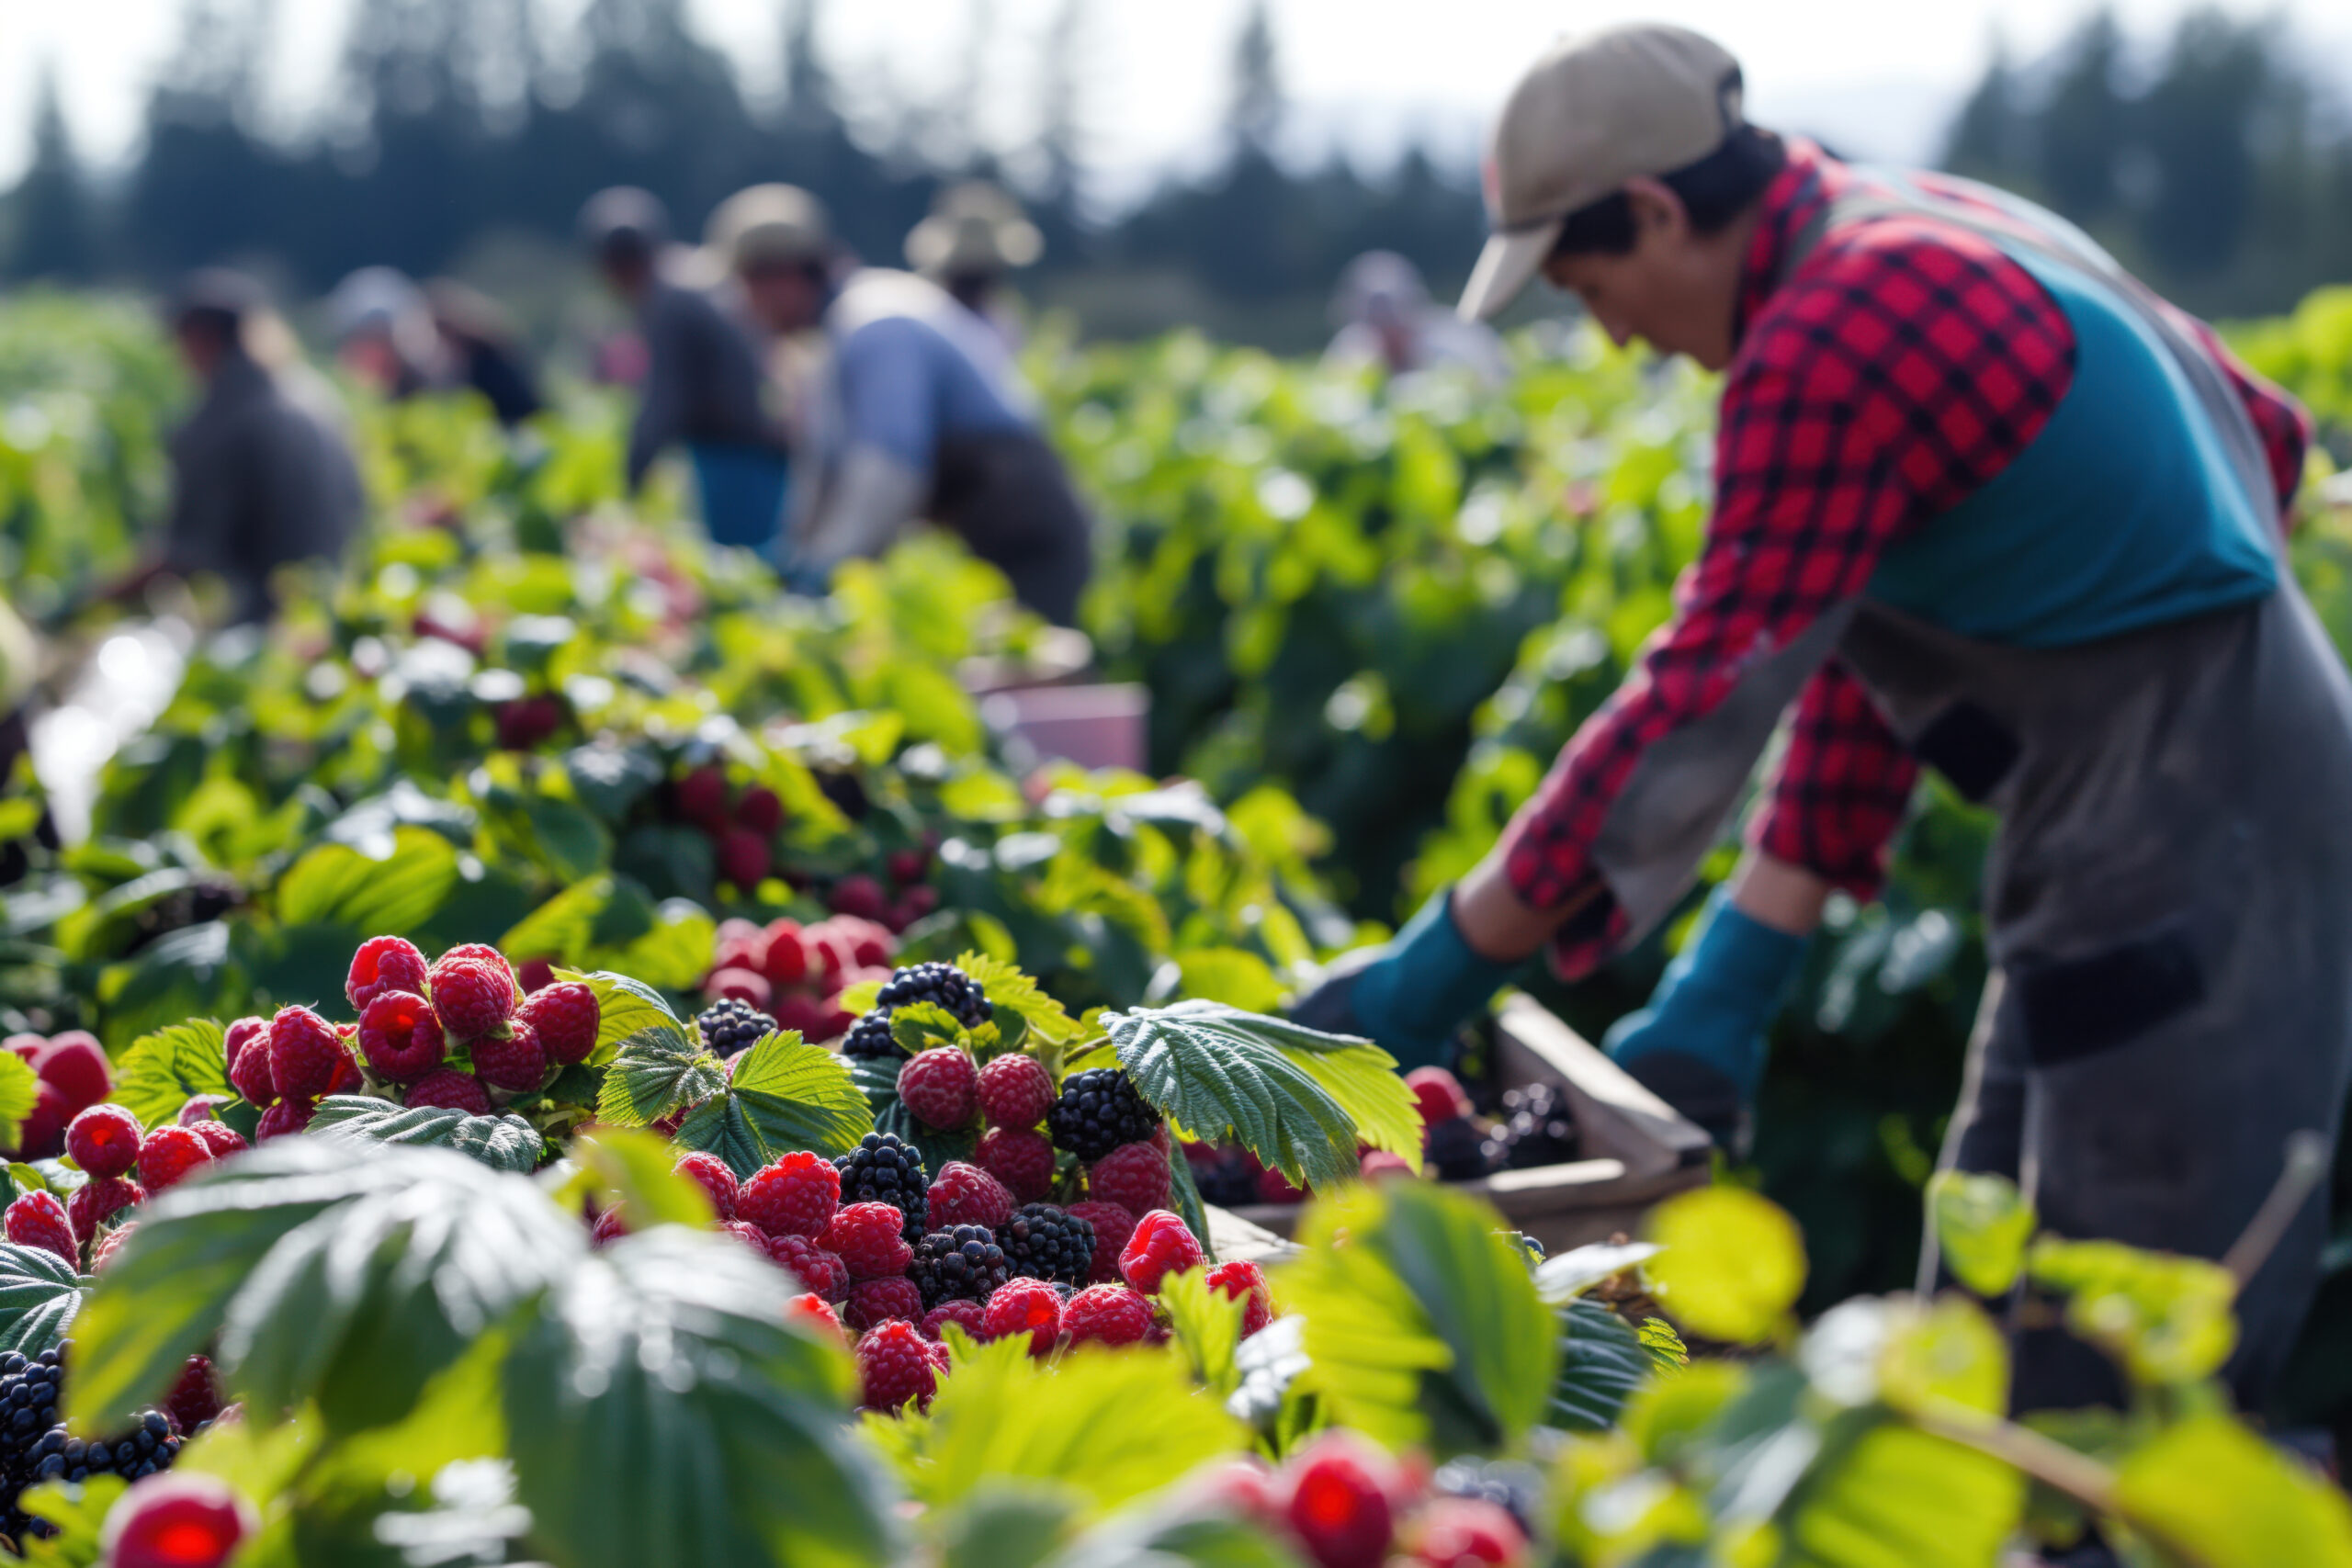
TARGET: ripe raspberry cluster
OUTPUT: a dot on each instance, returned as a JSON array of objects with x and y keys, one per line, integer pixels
[
  {"x": 794, "y": 973},
  {"x": 127, "y": 1164}
]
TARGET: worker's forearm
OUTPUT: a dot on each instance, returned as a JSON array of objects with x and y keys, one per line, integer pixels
[
  {"x": 1498, "y": 924},
  {"x": 1778, "y": 894}
]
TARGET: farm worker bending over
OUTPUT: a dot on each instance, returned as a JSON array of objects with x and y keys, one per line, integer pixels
[
  {"x": 702, "y": 374},
  {"x": 918, "y": 414},
  {"x": 1983, "y": 503}
]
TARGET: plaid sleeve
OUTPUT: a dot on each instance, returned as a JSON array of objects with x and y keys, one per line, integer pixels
[
  {"x": 1841, "y": 790},
  {"x": 1903, "y": 365},
  {"x": 2285, "y": 428}
]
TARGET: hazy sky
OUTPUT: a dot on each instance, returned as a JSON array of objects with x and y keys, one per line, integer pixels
[{"x": 1879, "y": 78}]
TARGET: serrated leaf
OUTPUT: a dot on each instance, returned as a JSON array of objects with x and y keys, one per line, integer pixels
[
  {"x": 561, "y": 929},
  {"x": 1206, "y": 1324},
  {"x": 347, "y": 1281},
  {"x": 921, "y": 1026},
  {"x": 337, "y": 885},
  {"x": 40, "y": 1293},
  {"x": 19, "y": 1087},
  {"x": 876, "y": 1078},
  {"x": 1226, "y": 1075},
  {"x": 1603, "y": 1362},
  {"x": 657, "y": 1071},
  {"x": 799, "y": 1096},
  {"x": 502, "y": 1143},
  {"x": 1005, "y": 985},
  {"x": 860, "y": 998},
  {"x": 666, "y": 1359},
  {"x": 1668, "y": 1352},
  {"x": 163, "y": 1070}
]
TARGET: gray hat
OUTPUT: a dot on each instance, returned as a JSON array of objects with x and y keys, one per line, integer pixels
[
  {"x": 768, "y": 226},
  {"x": 975, "y": 227}
]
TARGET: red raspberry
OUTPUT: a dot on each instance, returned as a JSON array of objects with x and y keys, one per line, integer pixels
[
  {"x": 247, "y": 1044},
  {"x": 1134, "y": 1176},
  {"x": 304, "y": 1051},
  {"x": 1438, "y": 1094},
  {"x": 1246, "y": 1282},
  {"x": 471, "y": 998},
  {"x": 812, "y": 1308},
  {"x": 535, "y": 974},
  {"x": 42, "y": 1134},
  {"x": 746, "y": 985},
  {"x": 1112, "y": 1226},
  {"x": 866, "y": 1237},
  {"x": 1162, "y": 1245},
  {"x": 702, "y": 796},
  {"x": 1025, "y": 1306},
  {"x": 481, "y": 952},
  {"x": 182, "y": 1520},
  {"x": 450, "y": 1088},
  {"x": 797, "y": 1195},
  {"x": 970, "y": 1313},
  {"x": 219, "y": 1137},
  {"x": 747, "y": 1233},
  {"x": 288, "y": 1116},
  {"x": 76, "y": 1064},
  {"x": 168, "y": 1155},
  {"x": 518, "y": 1063},
  {"x": 1107, "y": 1314},
  {"x": 1015, "y": 1091},
  {"x": 941, "y": 1087},
  {"x": 104, "y": 1140},
  {"x": 37, "y": 1219},
  {"x": 1467, "y": 1532},
  {"x": 715, "y": 1177},
  {"x": 877, "y": 1301},
  {"x": 744, "y": 858},
  {"x": 966, "y": 1195},
  {"x": 893, "y": 1367},
  {"x": 761, "y": 810},
  {"x": 784, "y": 961},
  {"x": 1338, "y": 1503},
  {"x": 200, "y": 1107},
  {"x": 102, "y": 1255},
  {"x": 384, "y": 963},
  {"x": 1377, "y": 1164},
  {"x": 815, "y": 1268},
  {"x": 860, "y": 896},
  {"x": 196, "y": 1397},
  {"x": 97, "y": 1201},
  {"x": 609, "y": 1228},
  {"x": 566, "y": 1017},
  {"x": 1022, "y": 1161},
  {"x": 400, "y": 1036},
  {"x": 348, "y": 1078}
]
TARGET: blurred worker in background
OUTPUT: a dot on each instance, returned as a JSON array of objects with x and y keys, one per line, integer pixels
[
  {"x": 702, "y": 380},
  {"x": 480, "y": 345},
  {"x": 1982, "y": 502},
  {"x": 975, "y": 236},
  {"x": 917, "y": 416},
  {"x": 1386, "y": 319},
  {"x": 262, "y": 477},
  {"x": 399, "y": 340}
]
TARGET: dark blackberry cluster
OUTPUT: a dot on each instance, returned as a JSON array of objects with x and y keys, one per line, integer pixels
[
  {"x": 732, "y": 1026},
  {"x": 36, "y": 1447},
  {"x": 1458, "y": 1151},
  {"x": 1044, "y": 1242},
  {"x": 883, "y": 1169},
  {"x": 1224, "y": 1177},
  {"x": 870, "y": 1036},
  {"x": 943, "y": 985},
  {"x": 1537, "y": 1129},
  {"x": 963, "y": 1264},
  {"x": 1097, "y": 1113}
]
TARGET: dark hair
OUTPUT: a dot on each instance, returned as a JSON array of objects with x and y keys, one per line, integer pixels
[
  {"x": 215, "y": 300},
  {"x": 1715, "y": 190},
  {"x": 623, "y": 226}
]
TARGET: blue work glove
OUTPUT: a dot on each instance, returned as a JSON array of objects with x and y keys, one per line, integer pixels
[
  {"x": 1410, "y": 994},
  {"x": 1699, "y": 1043}
]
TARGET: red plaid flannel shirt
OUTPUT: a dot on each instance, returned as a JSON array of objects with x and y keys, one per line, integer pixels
[{"x": 1903, "y": 365}]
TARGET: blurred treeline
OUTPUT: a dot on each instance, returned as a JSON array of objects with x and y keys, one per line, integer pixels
[{"x": 462, "y": 135}]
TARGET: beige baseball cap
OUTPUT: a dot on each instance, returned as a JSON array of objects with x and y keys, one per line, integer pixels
[
  {"x": 1597, "y": 110},
  {"x": 770, "y": 225}
]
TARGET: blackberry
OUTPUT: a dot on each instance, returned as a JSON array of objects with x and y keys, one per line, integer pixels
[
  {"x": 732, "y": 1026},
  {"x": 883, "y": 1170},
  {"x": 870, "y": 1036},
  {"x": 1537, "y": 1129},
  {"x": 963, "y": 1264},
  {"x": 1043, "y": 1242},
  {"x": 1458, "y": 1150},
  {"x": 943, "y": 985},
  {"x": 1097, "y": 1113},
  {"x": 1225, "y": 1178},
  {"x": 36, "y": 1447}
]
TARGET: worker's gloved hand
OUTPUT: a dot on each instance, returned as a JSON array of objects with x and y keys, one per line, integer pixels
[
  {"x": 1410, "y": 994},
  {"x": 1699, "y": 1043}
]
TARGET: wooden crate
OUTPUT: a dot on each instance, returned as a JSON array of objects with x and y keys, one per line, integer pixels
[{"x": 1637, "y": 1149}]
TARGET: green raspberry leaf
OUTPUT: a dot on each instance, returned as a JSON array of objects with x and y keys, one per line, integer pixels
[
  {"x": 657, "y": 1071},
  {"x": 162, "y": 1071},
  {"x": 502, "y": 1143}
]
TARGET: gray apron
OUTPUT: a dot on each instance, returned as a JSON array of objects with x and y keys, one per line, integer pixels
[
  {"x": 2168, "y": 899},
  {"x": 1009, "y": 495}
]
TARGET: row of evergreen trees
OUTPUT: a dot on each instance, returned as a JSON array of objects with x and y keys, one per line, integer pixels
[{"x": 2215, "y": 167}]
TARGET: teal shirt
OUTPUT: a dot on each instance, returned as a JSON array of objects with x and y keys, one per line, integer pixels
[{"x": 2123, "y": 513}]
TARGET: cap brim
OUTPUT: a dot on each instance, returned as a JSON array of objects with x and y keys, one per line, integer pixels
[{"x": 1509, "y": 260}]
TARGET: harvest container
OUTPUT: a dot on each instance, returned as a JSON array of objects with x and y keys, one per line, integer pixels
[{"x": 1638, "y": 1149}]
